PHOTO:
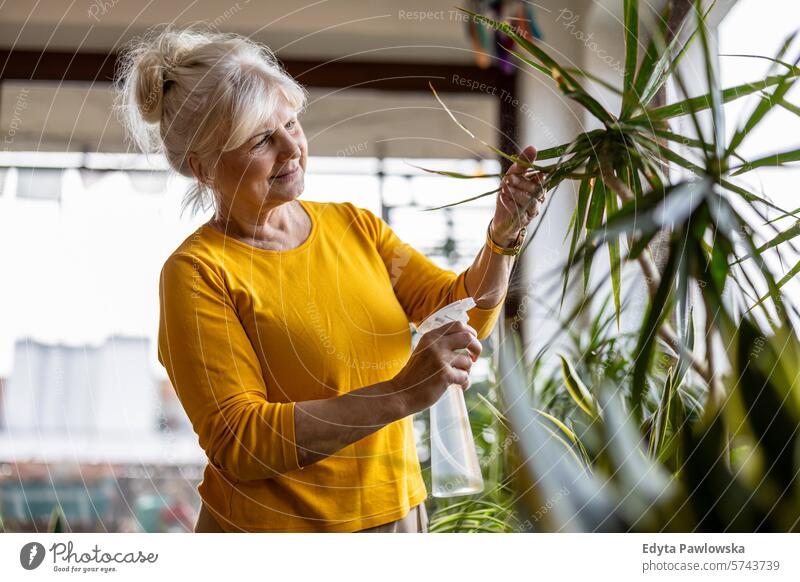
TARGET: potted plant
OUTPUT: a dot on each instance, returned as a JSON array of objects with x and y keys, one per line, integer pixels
[{"x": 690, "y": 436}]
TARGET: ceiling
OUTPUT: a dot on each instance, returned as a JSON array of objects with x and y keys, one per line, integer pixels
[
  {"x": 375, "y": 30},
  {"x": 71, "y": 116}
]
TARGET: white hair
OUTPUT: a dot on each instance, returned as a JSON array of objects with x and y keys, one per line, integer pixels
[{"x": 196, "y": 90}]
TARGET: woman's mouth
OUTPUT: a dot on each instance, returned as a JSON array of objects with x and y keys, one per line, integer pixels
[{"x": 285, "y": 175}]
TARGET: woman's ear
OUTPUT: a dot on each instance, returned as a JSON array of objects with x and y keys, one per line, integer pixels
[{"x": 198, "y": 169}]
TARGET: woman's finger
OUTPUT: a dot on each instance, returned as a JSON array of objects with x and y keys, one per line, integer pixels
[
  {"x": 531, "y": 184},
  {"x": 522, "y": 200},
  {"x": 529, "y": 155},
  {"x": 462, "y": 362}
]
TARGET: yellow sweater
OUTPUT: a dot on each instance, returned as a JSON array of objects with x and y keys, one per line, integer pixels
[{"x": 245, "y": 333}]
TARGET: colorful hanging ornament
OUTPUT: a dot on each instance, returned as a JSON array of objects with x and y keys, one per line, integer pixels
[{"x": 489, "y": 45}]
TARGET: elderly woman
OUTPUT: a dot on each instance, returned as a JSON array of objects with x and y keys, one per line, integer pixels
[{"x": 284, "y": 323}]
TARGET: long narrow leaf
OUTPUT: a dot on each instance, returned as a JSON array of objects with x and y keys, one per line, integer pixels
[
  {"x": 631, "y": 22},
  {"x": 770, "y": 160},
  {"x": 703, "y": 102},
  {"x": 576, "y": 388},
  {"x": 578, "y": 228},
  {"x": 656, "y": 312},
  {"x": 566, "y": 82},
  {"x": 613, "y": 254},
  {"x": 764, "y": 106},
  {"x": 718, "y": 130}
]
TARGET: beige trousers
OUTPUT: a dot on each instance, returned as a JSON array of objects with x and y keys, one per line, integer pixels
[{"x": 415, "y": 521}]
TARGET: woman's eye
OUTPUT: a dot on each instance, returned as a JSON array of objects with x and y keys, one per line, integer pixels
[{"x": 264, "y": 140}]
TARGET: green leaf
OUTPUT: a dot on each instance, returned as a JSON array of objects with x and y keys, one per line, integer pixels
[
  {"x": 559, "y": 425},
  {"x": 779, "y": 285},
  {"x": 771, "y": 160},
  {"x": 640, "y": 244},
  {"x": 720, "y": 251},
  {"x": 791, "y": 107},
  {"x": 578, "y": 228},
  {"x": 653, "y": 212},
  {"x": 764, "y": 106},
  {"x": 631, "y": 22},
  {"x": 458, "y": 175},
  {"x": 493, "y": 409},
  {"x": 643, "y": 483},
  {"x": 718, "y": 130},
  {"x": 593, "y": 221},
  {"x": 465, "y": 200},
  {"x": 58, "y": 521},
  {"x": 703, "y": 102},
  {"x": 660, "y": 60},
  {"x": 753, "y": 197},
  {"x": 613, "y": 253},
  {"x": 566, "y": 82},
  {"x": 676, "y": 158},
  {"x": 576, "y": 388},
  {"x": 662, "y": 415},
  {"x": 513, "y": 159},
  {"x": 782, "y": 237},
  {"x": 686, "y": 331},
  {"x": 602, "y": 82},
  {"x": 698, "y": 128},
  {"x": 682, "y": 139},
  {"x": 656, "y": 312},
  {"x": 589, "y": 506},
  {"x": 566, "y": 148}
]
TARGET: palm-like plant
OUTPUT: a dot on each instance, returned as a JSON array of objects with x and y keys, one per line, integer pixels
[{"x": 736, "y": 467}]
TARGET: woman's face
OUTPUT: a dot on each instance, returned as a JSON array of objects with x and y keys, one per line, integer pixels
[{"x": 267, "y": 170}]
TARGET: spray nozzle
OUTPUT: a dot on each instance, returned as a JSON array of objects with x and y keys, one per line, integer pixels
[{"x": 456, "y": 311}]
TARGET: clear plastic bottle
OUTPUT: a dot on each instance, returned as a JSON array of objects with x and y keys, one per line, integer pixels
[{"x": 454, "y": 462}]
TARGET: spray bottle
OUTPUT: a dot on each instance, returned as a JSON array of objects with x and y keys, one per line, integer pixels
[{"x": 454, "y": 462}]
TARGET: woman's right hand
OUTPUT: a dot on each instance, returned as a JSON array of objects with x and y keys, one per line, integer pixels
[{"x": 437, "y": 362}]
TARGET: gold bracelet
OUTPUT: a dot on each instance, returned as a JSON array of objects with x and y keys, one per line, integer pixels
[{"x": 501, "y": 250}]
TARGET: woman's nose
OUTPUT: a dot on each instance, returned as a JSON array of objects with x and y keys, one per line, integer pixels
[{"x": 290, "y": 149}]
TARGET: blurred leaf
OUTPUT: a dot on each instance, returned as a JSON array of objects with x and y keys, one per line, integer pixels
[
  {"x": 576, "y": 388},
  {"x": 58, "y": 521},
  {"x": 656, "y": 312},
  {"x": 587, "y": 506},
  {"x": 662, "y": 416},
  {"x": 558, "y": 425},
  {"x": 643, "y": 484}
]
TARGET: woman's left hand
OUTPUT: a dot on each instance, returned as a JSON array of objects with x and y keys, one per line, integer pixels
[{"x": 519, "y": 200}]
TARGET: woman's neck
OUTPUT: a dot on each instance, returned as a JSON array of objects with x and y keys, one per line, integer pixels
[{"x": 284, "y": 226}]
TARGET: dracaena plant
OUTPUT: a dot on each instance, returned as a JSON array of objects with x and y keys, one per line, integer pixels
[{"x": 735, "y": 466}]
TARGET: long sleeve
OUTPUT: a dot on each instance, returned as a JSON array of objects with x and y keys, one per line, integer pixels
[
  {"x": 420, "y": 285},
  {"x": 217, "y": 375}
]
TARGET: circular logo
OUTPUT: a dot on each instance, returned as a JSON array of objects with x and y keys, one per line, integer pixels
[{"x": 31, "y": 555}]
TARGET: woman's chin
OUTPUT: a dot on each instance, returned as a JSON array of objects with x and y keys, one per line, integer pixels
[{"x": 286, "y": 194}]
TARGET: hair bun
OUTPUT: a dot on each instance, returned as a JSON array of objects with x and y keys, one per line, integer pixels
[{"x": 150, "y": 77}]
